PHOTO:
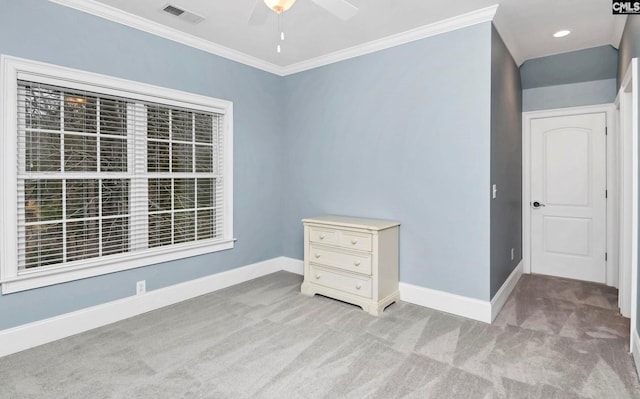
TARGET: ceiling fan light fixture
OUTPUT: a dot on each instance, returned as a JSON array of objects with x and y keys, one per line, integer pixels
[{"x": 279, "y": 6}]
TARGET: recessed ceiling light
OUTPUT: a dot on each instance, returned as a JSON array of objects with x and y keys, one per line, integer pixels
[{"x": 561, "y": 33}]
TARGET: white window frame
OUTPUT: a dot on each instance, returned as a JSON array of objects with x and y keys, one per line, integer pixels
[{"x": 13, "y": 69}]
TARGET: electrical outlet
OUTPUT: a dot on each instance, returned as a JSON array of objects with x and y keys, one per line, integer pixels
[
  {"x": 141, "y": 287},
  {"x": 512, "y": 253}
]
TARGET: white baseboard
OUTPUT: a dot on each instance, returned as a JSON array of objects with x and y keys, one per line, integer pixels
[
  {"x": 470, "y": 308},
  {"x": 29, "y": 335},
  {"x": 291, "y": 265},
  {"x": 635, "y": 349},
  {"x": 476, "y": 309},
  {"x": 503, "y": 293}
]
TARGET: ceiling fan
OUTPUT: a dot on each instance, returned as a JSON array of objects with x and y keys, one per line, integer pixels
[{"x": 340, "y": 8}]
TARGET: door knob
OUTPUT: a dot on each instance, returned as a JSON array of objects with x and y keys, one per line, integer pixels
[{"x": 537, "y": 204}]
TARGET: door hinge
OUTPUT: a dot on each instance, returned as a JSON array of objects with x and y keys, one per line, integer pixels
[
  {"x": 605, "y": 256},
  {"x": 606, "y": 130},
  {"x": 606, "y": 193}
]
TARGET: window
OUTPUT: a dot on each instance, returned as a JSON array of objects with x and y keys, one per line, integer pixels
[{"x": 102, "y": 175}]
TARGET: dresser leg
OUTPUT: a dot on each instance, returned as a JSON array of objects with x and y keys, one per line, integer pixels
[
  {"x": 375, "y": 310},
  {"x": 305, "y": 290}
]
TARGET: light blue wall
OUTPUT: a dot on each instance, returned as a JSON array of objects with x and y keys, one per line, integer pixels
[
  {"x": 629, "y": 49},
  {"x": 596, "y": 63},
  {"x": 400, "y": 134},
  {"x": 569, "y": 95},
  {"x": 506, "y": 163},
  {"x": 43, "y": 31},
  {"x": 573, "y": 79}
]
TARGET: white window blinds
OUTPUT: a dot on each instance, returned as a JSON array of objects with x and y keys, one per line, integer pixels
[{"x": 101, "y": 175}]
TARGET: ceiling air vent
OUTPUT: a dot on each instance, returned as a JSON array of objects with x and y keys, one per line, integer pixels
[
  {"x": 183, "y": 14},
  {"x": 173, "y": 10}
]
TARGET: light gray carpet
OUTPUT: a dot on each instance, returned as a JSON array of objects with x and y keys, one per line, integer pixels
[{"x": 262, "y": 339}]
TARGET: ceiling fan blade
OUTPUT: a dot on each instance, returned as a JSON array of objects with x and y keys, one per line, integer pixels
[
  {"x": 340, "y": 8},
  {"x": 259, "y": 14}
]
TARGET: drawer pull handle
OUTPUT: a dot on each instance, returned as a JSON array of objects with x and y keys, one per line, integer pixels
[
  {"x": 357, "y": 263},
  {"x": 318, "y": 276},
  {"x": 322, "y": 236},
  {"x": 354, "y": 242},
  {"x": 317, "y": 256},
  {"x": 358, "y": 286}
]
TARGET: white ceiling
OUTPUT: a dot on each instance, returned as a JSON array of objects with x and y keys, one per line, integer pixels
[{"x": 312, "y": 33}]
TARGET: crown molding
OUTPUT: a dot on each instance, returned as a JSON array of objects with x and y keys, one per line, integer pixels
[
  {"x": 122, "y": 17},
  {"x": 436, "y": 28}
]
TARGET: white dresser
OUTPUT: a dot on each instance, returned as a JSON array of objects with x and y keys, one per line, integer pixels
[{"x": 352, "y": 259}]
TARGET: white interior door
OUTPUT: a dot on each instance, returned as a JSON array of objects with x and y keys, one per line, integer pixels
[{"x": 568, "y": 204}]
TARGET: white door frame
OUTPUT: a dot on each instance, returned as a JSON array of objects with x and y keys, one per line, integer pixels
[
  {"x": 624, "y": 103},
  {"x": 612, "y": 250},
  {"x": 627, "y": 100}
]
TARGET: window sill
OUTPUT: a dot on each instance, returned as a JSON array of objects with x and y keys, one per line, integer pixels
[{"x": 91, "y": 268}]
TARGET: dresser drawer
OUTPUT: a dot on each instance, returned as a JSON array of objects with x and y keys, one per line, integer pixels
[
  {"x": 352, "y": 284},
  {"x": 361, "y": 242},
  {"x": 324, "y": 236},
  {"x": 342, "y": 238},
  {"x": 351, "y": 261}
]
